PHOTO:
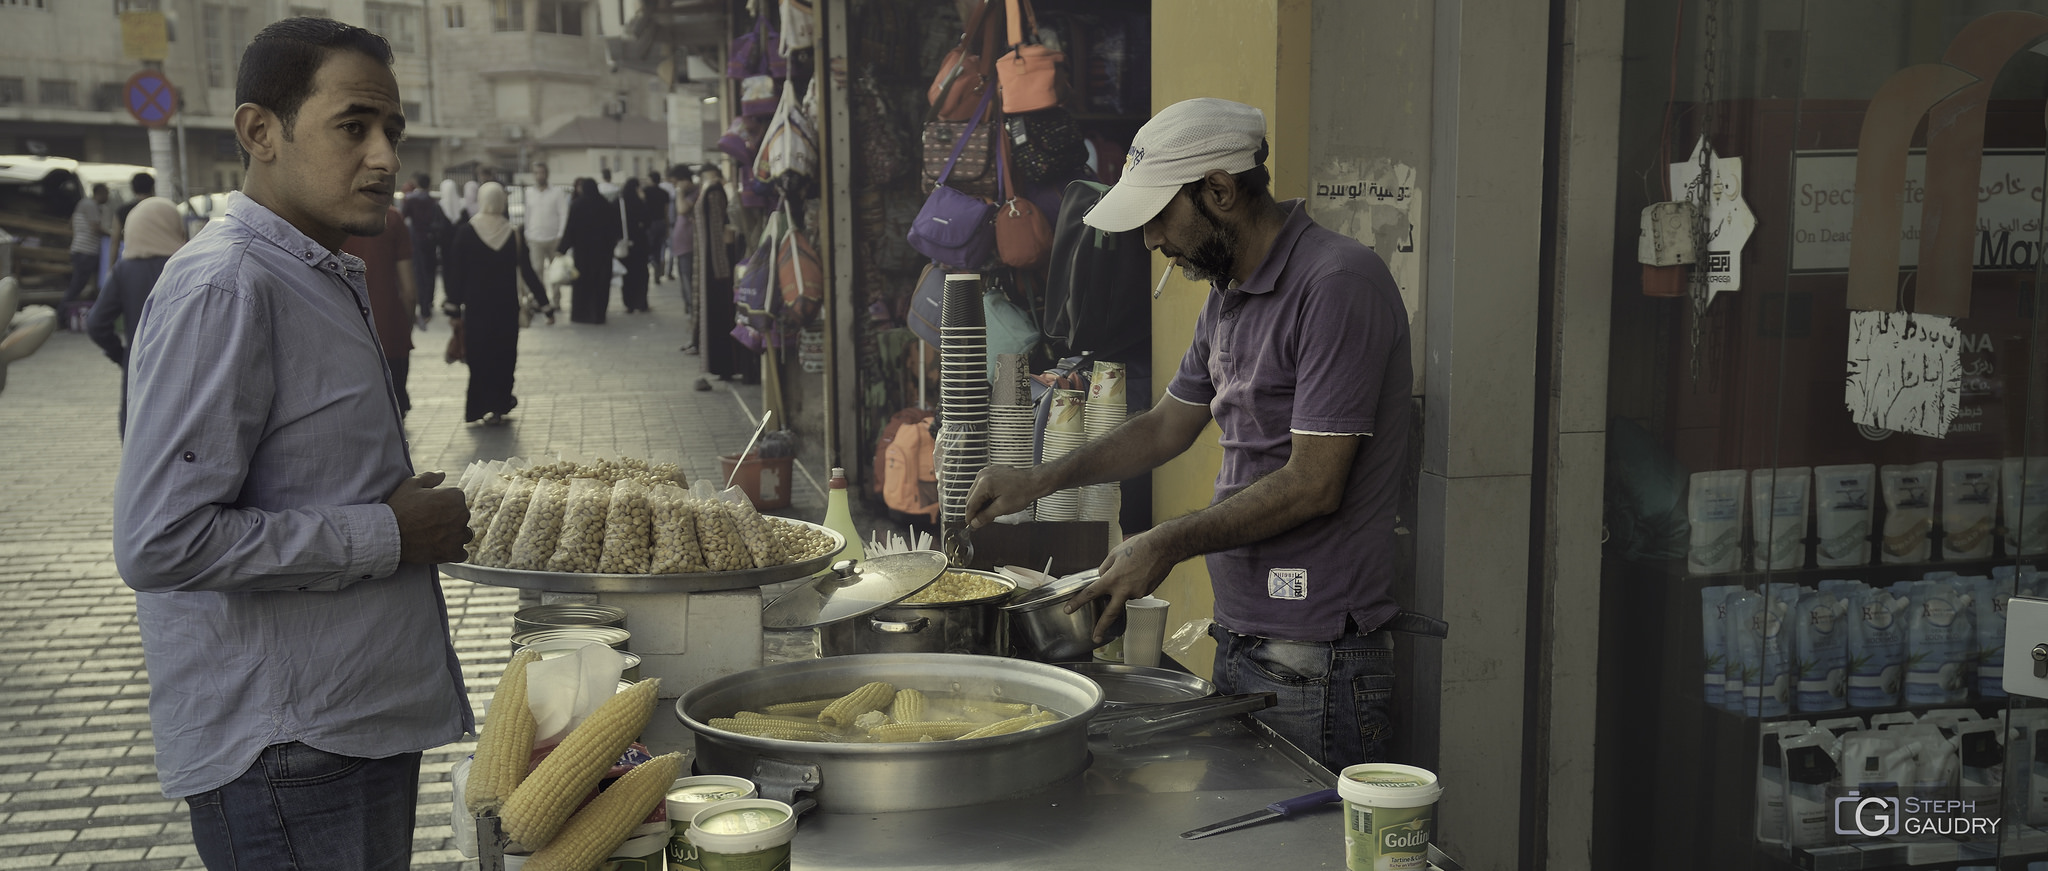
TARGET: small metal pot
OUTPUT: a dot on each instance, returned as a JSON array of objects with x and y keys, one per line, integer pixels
[
  {"x": 970, "y": 626},
  {"x": 1041, "y": 628}
]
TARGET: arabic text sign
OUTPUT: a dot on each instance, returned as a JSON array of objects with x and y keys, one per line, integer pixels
[
  {"x": 1905, "y": 372},
  {"x": 1824, "y": 208}
]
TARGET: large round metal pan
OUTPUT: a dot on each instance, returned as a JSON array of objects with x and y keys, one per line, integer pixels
[
  {"x": 695, "y": 582},
  {"x": 1131, "y": 685}
]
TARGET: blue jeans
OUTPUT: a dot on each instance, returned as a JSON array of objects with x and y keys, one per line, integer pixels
[
  {"x": 1335, "y": 697},
  {"x": 302, "y": 809}
]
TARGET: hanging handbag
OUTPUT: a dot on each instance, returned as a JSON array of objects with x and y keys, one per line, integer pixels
[
  {"x": 758, "y": 95},
  {"x": 963, "y": 77},
  {"x": 742, "y": 139},
  {"x": 791, "y": 144},
  {"x": 757, "y": 52},
  {"x": 799, "y": 25},
  {"x": 971, "y": 168},
  {"x": 953, "y": 227},
  {"x": 799, "y": 272},
  {"x": 1023, "y": 237},
  {"x": 1045, "y": 146},
  {"x": 1029, "y": 74}
]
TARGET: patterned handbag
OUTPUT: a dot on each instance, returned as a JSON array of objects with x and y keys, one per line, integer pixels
[
  {"x": 973, "y": 172},
  {"x": 1045, "y": 146}
]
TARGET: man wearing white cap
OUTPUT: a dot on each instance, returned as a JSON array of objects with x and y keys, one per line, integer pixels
[{"x": 1301, "y": 357}]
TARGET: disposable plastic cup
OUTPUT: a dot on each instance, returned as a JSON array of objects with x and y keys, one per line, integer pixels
[
  {"x": 1144, "y": 630},
  {"x": 749, "y": 834},
  {"x": 1389, "y": 816}
]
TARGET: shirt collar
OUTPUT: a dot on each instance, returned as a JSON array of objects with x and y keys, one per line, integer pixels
[
  {"x": 266, "y": 225},
  {"x": 1264, "y": 278}
]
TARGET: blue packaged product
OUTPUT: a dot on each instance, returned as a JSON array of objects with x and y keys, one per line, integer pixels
[
  {"x": 1877, "y": 649},
  {"x": 1714, "y": 641},
  {"x": 1745, "y": 654},
  {"x": 1775, "y": 667},
  {"x": 1987, "y": 611},
  {"x": 1940, "y": 636},
  {"x": 1821, "y": 652}
]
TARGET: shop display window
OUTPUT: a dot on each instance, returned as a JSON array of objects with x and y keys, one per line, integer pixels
[{"x": 1827, "y": 456}]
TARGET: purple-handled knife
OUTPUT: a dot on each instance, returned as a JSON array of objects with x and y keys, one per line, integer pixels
[{"x": 1282, "y": 808}]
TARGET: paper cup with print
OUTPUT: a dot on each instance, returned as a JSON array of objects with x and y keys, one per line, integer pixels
[
  {"x": 1389, "y": 816},
  {"x": 1066, "y": 414},
  {"x": 1106, "y": 383}
]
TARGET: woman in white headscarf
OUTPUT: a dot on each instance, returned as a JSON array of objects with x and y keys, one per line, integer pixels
[
  {"x": 451, "y": 201},
  {"x": 486, "y": 261},
  {"x": 153, "y": 233},
  {"x": 470, "y": 206}
]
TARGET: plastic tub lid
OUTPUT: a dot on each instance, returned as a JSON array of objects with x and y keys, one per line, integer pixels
[{"x": 869, "y": 586}]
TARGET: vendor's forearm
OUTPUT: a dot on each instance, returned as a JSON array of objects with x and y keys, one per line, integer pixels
[
  {"x": 1270, "y": 506},
  {"x": 1139, "y": 445}
]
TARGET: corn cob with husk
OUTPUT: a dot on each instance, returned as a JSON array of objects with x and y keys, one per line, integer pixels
[
  {"x": 872, "y": 697},
  {"x": 537, "y": 809},
  {"x": 603, "y": 824},
  {"x": 506, "y": 745}
]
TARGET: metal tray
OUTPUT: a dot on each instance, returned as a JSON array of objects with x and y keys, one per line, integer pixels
[
  {"x": 695, "y": 582},
  {"x": 1128, "y": 685}
]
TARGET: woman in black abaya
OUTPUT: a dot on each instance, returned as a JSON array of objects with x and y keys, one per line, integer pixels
[
  {"x": 593, "y": 230},
  {"x": 487, "y": 259},
  {"x": 638, "y": 217}
]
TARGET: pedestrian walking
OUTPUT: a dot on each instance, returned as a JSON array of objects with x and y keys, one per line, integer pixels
[
  {"x": 660, "y": 213},
  {"x": 280, "y": 544},
  {"x": 1300, "y": 356},
  {"x": 428, "y": 228},
  {"x": 143, "y": 185},
  {"x": 668, "y": 187},
  {"x": 637, "y": 214},
  {"x": 451, "y": 206},
  {"x": 714, "y": 241},
  {"x": 388, "y": 272},
  {"x": 547, "y": 214},
  {"x": 593, "y": 229},
  {"x": 154, "y": 232},
  {"x": 87, "y": 229},
  {"x": 682, "y": 239},
  {"x": 469, "y": 205},
  {"x": 488, "y": 263},
  {"x": 605, "y": 187}
]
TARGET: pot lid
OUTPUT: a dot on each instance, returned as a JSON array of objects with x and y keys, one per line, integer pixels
[
  {"x": 869, "y": 586},
  {"x": 1057, "y": 591}
]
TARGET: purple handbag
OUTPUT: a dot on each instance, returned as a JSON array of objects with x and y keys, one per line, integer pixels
[
  {"x": 757, "y": 52},
  {"x": 956, "y": 229}
]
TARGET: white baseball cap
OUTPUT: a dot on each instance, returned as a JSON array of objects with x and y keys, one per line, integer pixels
[{"x": 1182, "y": 143}]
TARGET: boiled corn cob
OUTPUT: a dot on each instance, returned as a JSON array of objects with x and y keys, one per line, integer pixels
[
  {"x": 941, "y": 731},
  {"x": 506, "y": 745},
  {"x": 603, "y": 824},
  {"x": 539, "y": 807},
  {"x": 799, "y": 709},
  {"x": 1005, "y": 709},
  {"x": 872, "y": 697},
  {"x": 908, "y": 707},
  {"x": 772, "y": 729},
  {"x": 1013, "y": 724},
  {"x": 806, "y": 722}
]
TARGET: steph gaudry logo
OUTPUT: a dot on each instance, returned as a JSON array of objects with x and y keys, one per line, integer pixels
[{"x": 1879, "y": 815}]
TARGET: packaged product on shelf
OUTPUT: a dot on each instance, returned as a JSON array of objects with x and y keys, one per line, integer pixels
[
  {"x": 2025, "y": 490},
  {"x": 1877, "y": 764},
  {"x": 1839, "y": 726},
  {"x": 1770, "y": 780},
  {"x": 1877, "y": 650},
  {"x": 1987, "y": 610},
  {"x": 1893, "y": 719},
  {"x": 1779, "y": 497},
  {"x": 1742, "y": 695},
  {"x": 1732, "y": 676},
  {"x": 1969, "y": 508},
  {"x": 1843, "y": 496},
  {"x": 2023, "y": 741},
  {"x": 2021, "y": 580},
  {"x": 1775, "y": 665},
  {"x": 1936, "y": 769},
  {"x": 1981, "y": 754},
  {"x": 1714, "y": 505},
  {"x": 1909, "y": 512},
  {"x": 1808, "y": 771},
  {"x": 1940, "y": 636},
  {"x": 1848, "y": 589},
  {"x": 1948, "y": 719},
  {"x": 1820, "y": 652},
  {"x": 1714, "y": 638}
]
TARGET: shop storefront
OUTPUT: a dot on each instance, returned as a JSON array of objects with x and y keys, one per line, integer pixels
[{"x": 1818, "y": 501}]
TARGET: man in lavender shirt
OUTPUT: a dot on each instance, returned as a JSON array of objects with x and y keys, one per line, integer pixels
[
  {"x": 267, "y": 514},
  {"x": 1301, "y": 358}
]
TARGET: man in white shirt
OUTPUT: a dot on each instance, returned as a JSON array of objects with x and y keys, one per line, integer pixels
[{"x": 547, "y": 213}]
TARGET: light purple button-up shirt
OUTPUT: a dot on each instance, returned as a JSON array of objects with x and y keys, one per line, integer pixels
[{"x": 249, "y": 515}]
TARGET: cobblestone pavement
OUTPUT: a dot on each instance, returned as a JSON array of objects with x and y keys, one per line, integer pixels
[{"x": 78, "y": 787}]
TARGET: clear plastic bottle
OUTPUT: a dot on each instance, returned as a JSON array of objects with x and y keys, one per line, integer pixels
[{"x": 839, "y": 516}]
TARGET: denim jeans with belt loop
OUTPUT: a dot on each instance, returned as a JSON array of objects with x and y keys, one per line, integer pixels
[
  {"x": 1335, "y": 698},
  {"x": 303, "y": 808}
]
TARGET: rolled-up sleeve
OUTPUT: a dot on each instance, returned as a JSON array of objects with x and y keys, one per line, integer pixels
[{"x": 201, "y": 397}]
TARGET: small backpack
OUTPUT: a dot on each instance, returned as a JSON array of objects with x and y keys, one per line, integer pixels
[
  {"x": 881, "y": 461},
  {"x": 1096, "y": 299}
]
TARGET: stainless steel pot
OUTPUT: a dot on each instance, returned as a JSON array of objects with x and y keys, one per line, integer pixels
[
  {"x": 882, "y": 778},
  {"x": 1041, "y": 628},
  {"x": 970, "y": 626}
]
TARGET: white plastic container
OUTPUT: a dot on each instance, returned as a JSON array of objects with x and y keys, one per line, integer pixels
[
  {"x": 743, "y": 834},
  {"x": 1389, "y": 816},
  {"x": 685, "y": 798}
]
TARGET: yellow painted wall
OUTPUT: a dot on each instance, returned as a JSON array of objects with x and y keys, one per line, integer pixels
[{"x": 1255, "y": 52}]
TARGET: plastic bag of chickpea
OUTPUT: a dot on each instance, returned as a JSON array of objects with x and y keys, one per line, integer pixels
[
  {"x": 582, "y": 539},
  {"x": 755, "y": 531},
  {"x": 542, "y": 526},
  {"x": 483, "y": 487},
  {"x": 628, "y": 530},
  {"x": 717, "y": 534},
  {"x": 676, "y": 550},
  {"x": 497, "y": 547}
]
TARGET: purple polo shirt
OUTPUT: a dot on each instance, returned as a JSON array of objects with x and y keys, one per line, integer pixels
[{"x": 1314, "y": 342}]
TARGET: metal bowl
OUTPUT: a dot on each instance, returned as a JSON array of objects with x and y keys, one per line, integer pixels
[{"x": 1041, "y": 629}]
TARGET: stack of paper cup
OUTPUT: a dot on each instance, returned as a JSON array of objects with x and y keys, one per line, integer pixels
[
  {"x": 1103, "y": 412},
  {"x": 1064, "y": 431},
  {"x": 963, "y": 440},
  {"x": 1012, "y": 420}
]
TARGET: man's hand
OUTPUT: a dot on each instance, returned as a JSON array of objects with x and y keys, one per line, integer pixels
[
  {"x": 1000, "y": 490},
  {"x": 1133, "y": 570},
  {"x": 433, "y": 525}
]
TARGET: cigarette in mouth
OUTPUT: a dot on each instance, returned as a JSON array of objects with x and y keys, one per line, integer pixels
[{"x": 1156, "y": 291}]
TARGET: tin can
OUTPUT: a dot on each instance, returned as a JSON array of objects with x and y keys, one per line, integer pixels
[
  {"x": 562, "y": 615},
  {"x": 610, "y": 636}
]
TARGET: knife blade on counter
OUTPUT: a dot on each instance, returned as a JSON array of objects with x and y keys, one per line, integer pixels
[{"x": 1283, "y": 808}]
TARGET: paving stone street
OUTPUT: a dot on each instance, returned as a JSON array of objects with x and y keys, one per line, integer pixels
[{"x": 78, "y": 787}]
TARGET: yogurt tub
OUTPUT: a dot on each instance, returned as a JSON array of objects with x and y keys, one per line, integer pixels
[
  {"x": 686, "y": 797},
  {"x": 748, "y": 834},
  {"x": 1389, "y": 816}
]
